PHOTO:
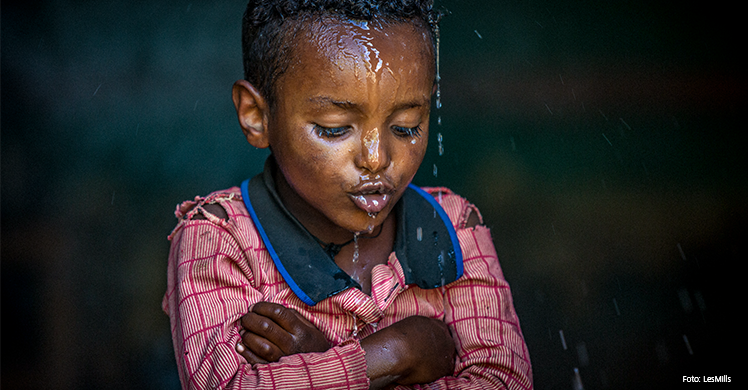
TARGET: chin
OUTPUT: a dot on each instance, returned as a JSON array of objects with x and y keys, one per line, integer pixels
[{"x": 365, "y": 224}]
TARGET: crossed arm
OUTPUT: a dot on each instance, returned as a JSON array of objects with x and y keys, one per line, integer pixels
[
  {"x": 414, "y": 350},
  {"x": 210, "y": 290}
]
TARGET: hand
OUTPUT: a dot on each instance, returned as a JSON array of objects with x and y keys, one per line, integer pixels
[
  {"x": 273, "y": 331},
  {"x": 414, "y": 350}
]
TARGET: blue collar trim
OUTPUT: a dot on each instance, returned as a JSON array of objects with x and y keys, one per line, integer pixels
[{"x": 425, "y": 243}]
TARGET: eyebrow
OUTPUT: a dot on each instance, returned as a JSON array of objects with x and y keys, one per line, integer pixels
[
  {"x": 348, "y": 105},
  {"x": 327, "y": 101}
]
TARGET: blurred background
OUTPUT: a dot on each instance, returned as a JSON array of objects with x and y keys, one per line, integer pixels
[{"x": 603, "y": 142}]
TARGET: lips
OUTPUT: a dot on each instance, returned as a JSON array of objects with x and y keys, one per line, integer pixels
[{"x": 372, "y": 197}]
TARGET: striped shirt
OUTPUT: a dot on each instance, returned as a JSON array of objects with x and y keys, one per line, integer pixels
[{"x": 219, "y": 268}]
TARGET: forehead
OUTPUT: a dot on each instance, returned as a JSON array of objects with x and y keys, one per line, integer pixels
[
  {"x": 342, "y": 52},
  {"x": 346, "y": 38}
]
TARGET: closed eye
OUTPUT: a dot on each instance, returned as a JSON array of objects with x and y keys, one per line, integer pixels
[
  {"x": 330, "y": 132},
  {"x": 414, "y": 132}
]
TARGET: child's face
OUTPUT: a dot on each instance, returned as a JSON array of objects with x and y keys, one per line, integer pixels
[{"x": 350, "y": 125}]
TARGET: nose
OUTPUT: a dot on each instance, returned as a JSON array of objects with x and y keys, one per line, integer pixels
[{"x": 374, "y": 155}]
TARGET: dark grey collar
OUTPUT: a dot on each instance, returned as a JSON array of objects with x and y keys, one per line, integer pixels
[{"x": 425, "y": 244}]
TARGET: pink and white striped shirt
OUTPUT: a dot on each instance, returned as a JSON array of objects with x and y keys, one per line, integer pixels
[{"x": 219, "y": 268}]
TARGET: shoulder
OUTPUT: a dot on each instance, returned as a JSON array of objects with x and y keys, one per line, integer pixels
[
  {"x": 218, "y": 207},
  {"x": 461, "y": 212}
]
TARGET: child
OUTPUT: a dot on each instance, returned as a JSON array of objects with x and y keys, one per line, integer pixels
[{"x": 329, "y": 270}]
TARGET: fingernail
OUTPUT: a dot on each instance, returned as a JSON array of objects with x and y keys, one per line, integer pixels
[{"x": 239, "y": 347}]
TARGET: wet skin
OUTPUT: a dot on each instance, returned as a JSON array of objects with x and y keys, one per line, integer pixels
[{"x": 349, "y": 130}]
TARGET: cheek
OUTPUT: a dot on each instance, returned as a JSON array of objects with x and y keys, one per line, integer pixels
[
  {"x": 321, "y": 163},
  {"x": 411, "y": 159}
]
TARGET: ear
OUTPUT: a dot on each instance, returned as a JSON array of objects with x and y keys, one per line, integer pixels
[{"x": 252, "y": 110}]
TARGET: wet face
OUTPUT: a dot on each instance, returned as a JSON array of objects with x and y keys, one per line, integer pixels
[{"x": 350, "y": 125}]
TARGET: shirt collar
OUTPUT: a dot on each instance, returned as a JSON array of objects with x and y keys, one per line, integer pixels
[{"x": 426, "y": 243}]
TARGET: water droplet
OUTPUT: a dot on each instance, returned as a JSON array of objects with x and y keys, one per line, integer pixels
[
  {"x": 441, "y": 268},
  {"x": 688, "y": 345},
  {"x": 685, "y": 300},
  {"x": 563, "y": 340},
  {"x": 478, "y": 34},
  {"x": 625, "y": 124},
  {"x": 355, "y": 247},
  {"x": 435, "y": 170},
  {"x": 355, "y": 325},
  {"x": 682, "y": 254},
  {"x": 419, "y": 234},
  {"x": 577, "y": 380},
  {"x": 584, "y": 357},
  {"x": 438, "y": 74},
  {"x": 441, "y": 146}
]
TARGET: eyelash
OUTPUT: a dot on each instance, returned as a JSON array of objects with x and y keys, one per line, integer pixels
[
  {"x": 333, "y": 132},
  {"x": 414, "y": 132},
  {"x": 329, "y": 132}
]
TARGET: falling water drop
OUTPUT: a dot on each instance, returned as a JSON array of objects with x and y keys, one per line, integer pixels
[
  {"x": 435, "y": 171},
  {"x": 577, "y": 380},
  {"x": 441, "y": 269},
  {"x": 419, "y": 234},
  {"x": 682, "y": 253},
  {"x": 563, "y": 340},
  {"x": 688, "y": 345},
  {"x": 685, "y": 300},
  {"x": 582, "y": 354},
  {"x": 441, "y": 146},
  {"x": 438, "y": 74},
  {"x": 355, "y": 247}
]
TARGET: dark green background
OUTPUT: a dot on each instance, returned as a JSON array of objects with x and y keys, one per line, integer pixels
[{"x": 603, "y": 141}]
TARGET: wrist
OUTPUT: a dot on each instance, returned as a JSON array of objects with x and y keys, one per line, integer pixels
[{"x": 384, "y": 363}]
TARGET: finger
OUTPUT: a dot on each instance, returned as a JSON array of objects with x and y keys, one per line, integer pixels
[
  {"x": 267, "y": 328},
  {"x": 302, "y": 319},
  {"x": 249, "y": 355},
  {"x": 262, "y": 347},
  {"x": 285, "y": 317}
]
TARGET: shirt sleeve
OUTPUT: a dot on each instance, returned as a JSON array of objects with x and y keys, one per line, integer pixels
[
  {"x": 210, "y": 287},
  {"x": 491, "y": 351}
]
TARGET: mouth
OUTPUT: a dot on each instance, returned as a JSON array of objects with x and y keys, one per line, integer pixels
[{"x": 372, "y": 197}]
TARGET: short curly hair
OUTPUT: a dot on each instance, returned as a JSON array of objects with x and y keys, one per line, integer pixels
[{"x": 269, "y": 28}]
